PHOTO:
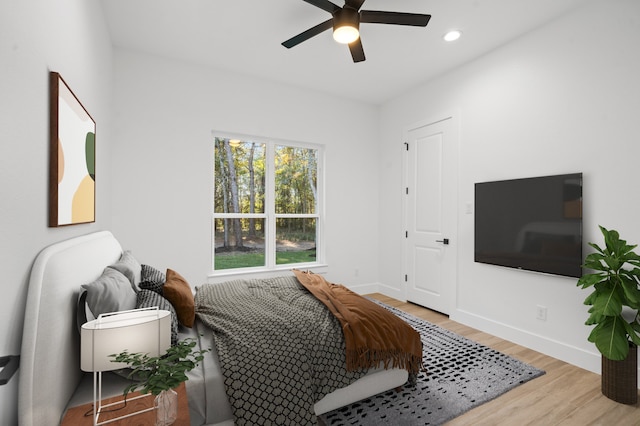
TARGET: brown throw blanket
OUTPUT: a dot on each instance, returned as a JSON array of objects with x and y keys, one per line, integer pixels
[{"x": 373, "y": 335}]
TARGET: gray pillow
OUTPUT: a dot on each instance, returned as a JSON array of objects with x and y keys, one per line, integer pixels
[
  {"x": 130, "y": 268},
  {"x": 149, "y": 298},
  {"x": 111, "y": 292}
]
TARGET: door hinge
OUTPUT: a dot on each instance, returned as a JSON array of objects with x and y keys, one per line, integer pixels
[
  {"x": 406, "y": 145},
  {"x": 406, "y": 277},
  {"x": 406, "y": 234},
  {"x": 406, "y": 190}
]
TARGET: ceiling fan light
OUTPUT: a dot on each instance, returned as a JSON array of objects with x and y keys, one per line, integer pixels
[
  {"x": 346, "y": 34},
  {"x": 346, "y": 24}
]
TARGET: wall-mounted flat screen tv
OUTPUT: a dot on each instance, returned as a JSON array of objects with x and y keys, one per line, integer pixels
[{"x": 532, "y": 223}]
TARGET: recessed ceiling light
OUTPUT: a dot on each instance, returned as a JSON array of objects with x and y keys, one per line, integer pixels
[{"x": 452, "y": 35}]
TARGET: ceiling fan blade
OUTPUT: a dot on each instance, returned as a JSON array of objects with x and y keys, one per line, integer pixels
[
  {"x": 357, "y": 51},
  {"x": 306, "y": 35},
  {"x": 395, "y": 18},
  {"x": 355, "y": 4},
  {"x": 325, "y": 5}
]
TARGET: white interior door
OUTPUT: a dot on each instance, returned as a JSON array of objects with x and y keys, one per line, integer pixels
[{"x": 431, "y": 214}]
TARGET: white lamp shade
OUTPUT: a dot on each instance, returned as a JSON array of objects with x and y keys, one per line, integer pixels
[{"x": 146, "y": 331}]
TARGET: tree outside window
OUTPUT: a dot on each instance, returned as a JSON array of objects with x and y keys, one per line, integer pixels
[{"x": 265, "y": 204}]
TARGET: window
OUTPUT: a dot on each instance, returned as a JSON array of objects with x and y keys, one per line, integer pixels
[{"x": 266, "y": 209}]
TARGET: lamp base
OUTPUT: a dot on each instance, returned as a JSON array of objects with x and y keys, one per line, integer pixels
[{"x": 99, "y": 408}]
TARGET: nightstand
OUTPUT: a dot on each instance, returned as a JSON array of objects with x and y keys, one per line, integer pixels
[{"x": 81, "y": 415}]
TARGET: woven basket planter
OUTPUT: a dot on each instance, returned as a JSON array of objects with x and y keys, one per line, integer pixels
[{"x": 620, "y": 378}]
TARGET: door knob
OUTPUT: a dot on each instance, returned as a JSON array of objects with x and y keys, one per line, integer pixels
[{"x": 444, "y": 241}]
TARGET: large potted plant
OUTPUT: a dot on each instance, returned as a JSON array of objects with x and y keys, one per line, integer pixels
[
  {"x": 160, "y": 375},
  {"x": 615, "y": 306}
]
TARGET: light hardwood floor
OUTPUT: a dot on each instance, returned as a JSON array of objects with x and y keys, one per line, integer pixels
[{"x": 566, "y": 395}]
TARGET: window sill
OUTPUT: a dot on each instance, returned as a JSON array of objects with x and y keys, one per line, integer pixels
[{"x": 220, "y": 276}]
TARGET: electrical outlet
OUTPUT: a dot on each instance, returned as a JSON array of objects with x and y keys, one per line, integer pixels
[
  {"x": 541, "y": 313},
  {"x": 468, "y": 208}
]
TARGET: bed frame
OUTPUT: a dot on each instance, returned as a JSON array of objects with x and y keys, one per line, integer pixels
[{"x": 50, "y": 361}]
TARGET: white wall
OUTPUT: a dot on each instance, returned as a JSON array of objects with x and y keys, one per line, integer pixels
[
  {"x": 38, "y": 36},
  {"x": 162, "y": 201},
  {"x": 564, "y": 98}
]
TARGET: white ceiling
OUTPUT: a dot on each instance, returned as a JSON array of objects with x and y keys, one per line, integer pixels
[{"x": 245, "y": 36}]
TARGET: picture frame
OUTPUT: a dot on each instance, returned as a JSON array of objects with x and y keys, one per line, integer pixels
[{"x": 72, "y": 157}]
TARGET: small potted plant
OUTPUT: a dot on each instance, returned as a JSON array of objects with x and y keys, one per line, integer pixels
[
  {"x": 160, "y": 375},
  {"x": 615, "y": 306}
]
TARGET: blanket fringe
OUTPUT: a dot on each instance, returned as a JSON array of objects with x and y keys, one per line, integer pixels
[{"x": 368, "y": 358}]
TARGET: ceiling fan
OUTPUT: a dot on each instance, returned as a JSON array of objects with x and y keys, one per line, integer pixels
[{"x": 346, "y": 24}]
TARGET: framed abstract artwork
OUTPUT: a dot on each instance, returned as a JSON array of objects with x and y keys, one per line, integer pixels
[{"x": 72, "y": 175}]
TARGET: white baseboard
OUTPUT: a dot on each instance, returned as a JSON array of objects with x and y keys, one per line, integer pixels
[
  {"x": 579, "y": 357},
  {"x": 365, "y": 288},
  {"x": 392, "y": 292},
  {"x": 379, "y": 288}
]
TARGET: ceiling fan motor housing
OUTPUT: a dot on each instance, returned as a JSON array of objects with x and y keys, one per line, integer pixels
[{"x": 346, "y": 17}]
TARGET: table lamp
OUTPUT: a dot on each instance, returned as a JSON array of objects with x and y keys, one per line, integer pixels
[{"x": 145, "y": 330}]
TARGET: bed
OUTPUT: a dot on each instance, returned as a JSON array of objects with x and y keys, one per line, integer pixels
[{"x": 51, "y": 380}]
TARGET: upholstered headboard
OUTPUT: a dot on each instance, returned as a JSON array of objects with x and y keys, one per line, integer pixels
[{"x": 50, "y": 360}]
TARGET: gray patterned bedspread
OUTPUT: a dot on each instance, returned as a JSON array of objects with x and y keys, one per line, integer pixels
[{"x": 280, "y": 349}]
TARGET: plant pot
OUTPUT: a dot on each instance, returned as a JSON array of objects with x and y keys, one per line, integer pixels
[
  {"x": 620, "y": 378},
  {"x": 166, "y": 404}
]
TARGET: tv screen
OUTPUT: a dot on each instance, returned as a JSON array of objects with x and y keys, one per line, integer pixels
[{"x": 532, "y": 223}]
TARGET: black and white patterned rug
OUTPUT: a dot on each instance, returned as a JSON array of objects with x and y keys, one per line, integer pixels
[{"x": 461, "y": 374}]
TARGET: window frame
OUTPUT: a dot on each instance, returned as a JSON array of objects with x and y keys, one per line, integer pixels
[{"x": 269, "y": 216}]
